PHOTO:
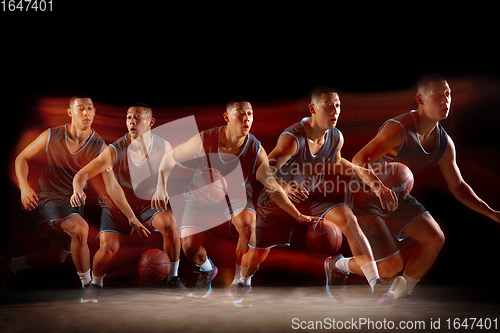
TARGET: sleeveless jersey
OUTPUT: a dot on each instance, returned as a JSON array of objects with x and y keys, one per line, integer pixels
[
  {"x": 304, "y": 168},
  {"x": 411, "y": 151},
  {"x": 240, "y": 170},
  {"x": 62, "y": 165},
  {"x": 138, "y": 181}
]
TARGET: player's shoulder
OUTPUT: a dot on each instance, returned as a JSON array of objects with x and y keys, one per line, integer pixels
[
  {"x": 211, "y": 131},
  {"x": 296, "y": 127},
  {"x": 60, "y": 128},
  {"x": 287, "y": 138},
  {"x": 56, "y": 132},
  {"x": 393, "y": 126},
  {"x": 42, "y": 139},
  {"x": 450, "y": 152},
  {"x": 120, "y": 141},
  {"x": 399, "y": 122},
  {"x": 287, "y": 144},
  {"x": 340, "y": 136},
  {"x": 293, "y": 133},
  {"x": 252, "y": 138},
  {"x": 338, "y": 132}
]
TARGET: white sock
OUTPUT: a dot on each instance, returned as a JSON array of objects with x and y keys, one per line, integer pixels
[
  {"x": 343, "y": 265},
  {"x": 243, "y": 276},
  {"x": 237, "y": 273},
  {"x": 18, "y": 263},
  {"x": 206, "y": 266},
  {"x": 174, "y": 269},
  {"x": 371, "y": 273},
  {"x": 247, "y": 280},
  {"x": 410, "y": 283},
  {"x": 85, "y": 277},
  {"x": 97, "y": 280}
]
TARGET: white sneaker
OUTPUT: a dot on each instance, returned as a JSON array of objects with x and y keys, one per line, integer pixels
[{"x": 397, "y": 289}]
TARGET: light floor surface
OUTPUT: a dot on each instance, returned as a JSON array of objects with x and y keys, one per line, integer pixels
[{"x": 265, "y": 309}]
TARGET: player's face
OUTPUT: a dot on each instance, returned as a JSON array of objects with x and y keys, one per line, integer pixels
[
  {"x": 138, "y": 122},
  {"x": 240, "y": 118},
  {"x": 437, "y": 100},
  {"x": 82, "y": 112},
  {"x": 327, "y": 110}
]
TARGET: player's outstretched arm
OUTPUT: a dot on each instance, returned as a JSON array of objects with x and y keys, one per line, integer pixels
[
  {"x": 29, "y": 198},
  {"x": 459, "y": 188},
  {"x": 102, "y": 162},
  {"x": 265, "y": 175}
]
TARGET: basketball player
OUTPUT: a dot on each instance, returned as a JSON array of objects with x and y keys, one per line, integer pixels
[
  {"x": 301, "y": 158},
  {"x": 65, "y": 150},
  {"x": 227, "y": 149},
  {"x": 417, "y": 139},
  {"x": 123, "y": 165}
]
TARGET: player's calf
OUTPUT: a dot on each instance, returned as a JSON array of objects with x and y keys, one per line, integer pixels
[{"x": 391, "y": 266}]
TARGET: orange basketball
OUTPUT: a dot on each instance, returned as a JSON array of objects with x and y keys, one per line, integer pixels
[
  {"x": 153, "y": 265},
  {"x": 396, "y": 176},
  {"x": 324, "y": 237}
]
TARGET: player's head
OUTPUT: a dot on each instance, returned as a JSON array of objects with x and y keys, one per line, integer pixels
[
  {"x": 325, "y": 106},
  {"x": 239, "y": 115},
  {"x": 139, "y": 119},
  {"x": 434, "y": 96},
  {"x": 81, "y": 110}
]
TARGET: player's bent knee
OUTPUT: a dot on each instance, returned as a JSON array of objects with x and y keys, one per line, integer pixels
[
  {"x": 246, "y": 230},
  {"x": 343, "y": 217},
  {"x": 426, "y": 231},
  {"x": 76, "y": 227},
  {"x": 109, "y": 245},
  {"x": 433, "y": 236},
  {"x": 164, "y": 221},
  {"x": 436, "y": 236},
  {"x": 244, "y": 221}
]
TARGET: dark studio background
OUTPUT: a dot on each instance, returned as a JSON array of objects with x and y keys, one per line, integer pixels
[{"x": 188, "y": 61}]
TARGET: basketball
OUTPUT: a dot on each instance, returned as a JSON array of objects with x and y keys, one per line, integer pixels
[
  {"x": 210, "y": 186},
  {"x": 396, "y": 176},
  {"x": 153, "y": 265},
  {"x": 324, "y": 237}
]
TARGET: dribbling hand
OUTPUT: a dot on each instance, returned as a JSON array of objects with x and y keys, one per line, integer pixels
[
  {"x": 307, "y": 220},
  {"x": 159, "y": 200},
  {"x": 296, "y": 193},
  {"x": 138, "y": 227},
  {"x": 388, "y": 199},
  {"x": 29, "y": 199},
  {"x": 78, "y": 199}
]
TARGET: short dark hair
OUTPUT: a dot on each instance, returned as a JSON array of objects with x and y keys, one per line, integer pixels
[
  {"x": 78, "y": 96},
  {"x": 146, "y": 108},
  {"x": 423, "y": 82},
  {"x": 318, "y": 91},
  {"x": 235, "y": 99}
]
